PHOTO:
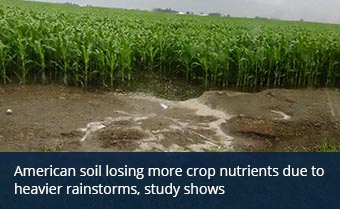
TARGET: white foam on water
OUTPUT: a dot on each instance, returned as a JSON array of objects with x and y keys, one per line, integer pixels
[
  {"x": 283, "y": 115},
  {"x": 92, "y": 128},
  {"x": 153, "y": 138},
  {"x": 204, "y": 110},
  {"x": 176, "y": 128}
]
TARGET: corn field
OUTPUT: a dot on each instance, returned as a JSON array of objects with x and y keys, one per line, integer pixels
[{"x": 85, "y": 46}]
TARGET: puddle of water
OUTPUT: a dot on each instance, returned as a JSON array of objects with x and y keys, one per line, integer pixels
[{"x": 200, "y": 130}]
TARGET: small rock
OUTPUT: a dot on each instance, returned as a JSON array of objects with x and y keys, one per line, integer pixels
[
  {"x": 9, "y": 112},
  {"x": 62, "y": 98},
  {"x": 2, "y": 91},
  {"x": 164, "y": 106}
]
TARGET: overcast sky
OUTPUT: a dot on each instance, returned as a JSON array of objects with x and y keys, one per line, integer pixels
[{"x": 312, "y": 10}]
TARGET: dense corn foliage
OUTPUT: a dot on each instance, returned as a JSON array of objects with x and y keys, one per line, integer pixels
[{"x": 92, "y": 46}]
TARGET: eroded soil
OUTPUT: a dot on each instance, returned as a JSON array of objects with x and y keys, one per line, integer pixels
[{"x": 56, "y": 118}]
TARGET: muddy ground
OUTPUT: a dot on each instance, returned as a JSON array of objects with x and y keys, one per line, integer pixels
[{"x": 56, "y": 118}]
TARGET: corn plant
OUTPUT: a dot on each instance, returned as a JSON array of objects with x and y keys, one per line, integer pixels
[
  {"x": 5, "y": 58},
  {"x": 38, "y": 47},
  {"x": 22, "y": 59},
  {"x": 111, "y": 56},
  {"x": 85, "y": 46}
]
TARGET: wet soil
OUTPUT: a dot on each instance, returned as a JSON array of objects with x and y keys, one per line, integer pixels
[{"x": 57, "y": 118}]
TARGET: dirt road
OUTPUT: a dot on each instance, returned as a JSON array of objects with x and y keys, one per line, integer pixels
[{"x": 56, "y": 118}]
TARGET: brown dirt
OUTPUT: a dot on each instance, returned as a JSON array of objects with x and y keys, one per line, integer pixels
[
  {"x": 313, "y": 118},
  {"x": 56, "y": 118}
]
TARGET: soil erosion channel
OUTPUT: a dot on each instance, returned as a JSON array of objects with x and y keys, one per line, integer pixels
[{"x": 55, "y": 118}]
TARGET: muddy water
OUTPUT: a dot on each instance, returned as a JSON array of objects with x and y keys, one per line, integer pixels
[
  {"x": 55, "y": 118},
  {"x": 161, "y": 126}
]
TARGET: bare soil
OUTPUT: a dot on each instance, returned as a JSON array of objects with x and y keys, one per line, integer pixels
[{"x": 56, "y": 118}]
